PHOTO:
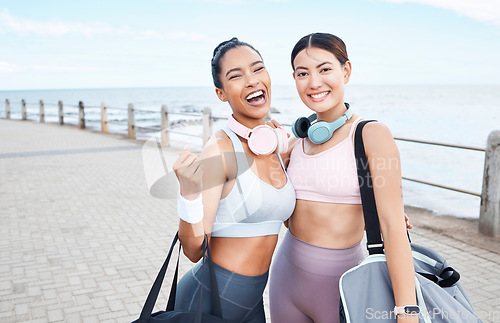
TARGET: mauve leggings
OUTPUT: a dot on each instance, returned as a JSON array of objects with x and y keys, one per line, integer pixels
[{"x": 304, "y": 281}]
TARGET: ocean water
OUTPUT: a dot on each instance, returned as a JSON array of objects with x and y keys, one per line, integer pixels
[{"x": 455, "y": 114}]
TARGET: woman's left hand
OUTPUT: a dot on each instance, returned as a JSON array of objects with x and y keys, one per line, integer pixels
[
  {"x": 275, "y": 124},
  {"x": 407, "y": 220}
]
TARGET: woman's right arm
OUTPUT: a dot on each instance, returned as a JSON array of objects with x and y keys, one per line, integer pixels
[{"x": 205, "y": 175}]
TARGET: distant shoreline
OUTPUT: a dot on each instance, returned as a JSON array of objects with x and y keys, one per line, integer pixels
[{"x": 211, "y": 86}]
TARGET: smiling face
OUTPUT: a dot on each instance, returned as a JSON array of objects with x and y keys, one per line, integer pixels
[
  {"x": 246, "y": 85},
  {"x": 320, "y": 78}
]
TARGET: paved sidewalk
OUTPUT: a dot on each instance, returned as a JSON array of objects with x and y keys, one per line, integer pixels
[{"x": 82, "y": 239}]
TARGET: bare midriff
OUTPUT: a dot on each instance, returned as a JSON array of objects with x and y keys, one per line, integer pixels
[
  {"x": 245, "y": 256},
  {"x": 329, "y": 225}
]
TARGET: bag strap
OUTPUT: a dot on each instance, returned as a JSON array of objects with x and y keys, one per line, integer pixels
[
  {"x": 173, "y": 288},
  {"x": 452, "y": 277},
  {"x": 374, "y": 244},
  {"x": 155, "y": 289},
  {"x": 214, "y": 289}
]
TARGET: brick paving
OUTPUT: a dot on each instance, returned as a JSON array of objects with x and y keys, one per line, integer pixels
[{"x": 82, "y": 239}]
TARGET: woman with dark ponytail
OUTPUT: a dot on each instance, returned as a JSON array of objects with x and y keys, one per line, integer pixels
[
  {"x": 236, "y": 192},
  {"x": 327, "y": 225}
]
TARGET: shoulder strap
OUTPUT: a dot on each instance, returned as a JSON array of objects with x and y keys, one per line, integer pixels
[
  {"x": 239, "y": 152},
  {"x": 374, "y": 243},
  {"x": 282, "y": 165},
  {"x": 155, "y": 289}
]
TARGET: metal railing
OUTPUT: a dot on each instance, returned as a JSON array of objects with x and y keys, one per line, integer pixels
[{"x": 473, "y": 148}]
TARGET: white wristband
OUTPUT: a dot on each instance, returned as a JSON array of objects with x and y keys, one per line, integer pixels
[{"x": 190, "y": 211}]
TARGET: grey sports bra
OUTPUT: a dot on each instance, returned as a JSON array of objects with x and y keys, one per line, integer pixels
[{"x": 253, "y": 207}]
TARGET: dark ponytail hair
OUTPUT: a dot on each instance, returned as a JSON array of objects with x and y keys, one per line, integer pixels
[
  {"x": 325, "y": 41},
  {"x": 219, "y": 52}
]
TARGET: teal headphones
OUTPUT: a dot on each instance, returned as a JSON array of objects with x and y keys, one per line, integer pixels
[{"x": 320, "y": 131}]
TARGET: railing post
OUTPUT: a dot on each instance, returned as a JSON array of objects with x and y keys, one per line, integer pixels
[
  {"x": 489, "y": 216},
  {"x": 61, "y": 114},
  {"x": 207, "y": 125},
  {"x": 104, "y": 118},
  {"x": 7, "y": 108},
  {"x": 165, "y": 131},
  {"x": 81, "y": 114},
  {"x": 131, "y": 122},
  {"x": 42, "y": 112},
  {"x": 23, "y": 109}
]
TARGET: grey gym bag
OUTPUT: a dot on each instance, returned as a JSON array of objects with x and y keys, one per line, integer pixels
[{"x": 366, "y": 291}]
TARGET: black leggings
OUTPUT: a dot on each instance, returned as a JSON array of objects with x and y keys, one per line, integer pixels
[{"x": 240, "y": 296}]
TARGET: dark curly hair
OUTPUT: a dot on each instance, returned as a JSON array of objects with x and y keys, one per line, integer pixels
[{"x": 220, "y": 51}]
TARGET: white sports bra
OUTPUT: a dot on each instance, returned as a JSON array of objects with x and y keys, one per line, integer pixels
[{"x": 253, "y": 207}]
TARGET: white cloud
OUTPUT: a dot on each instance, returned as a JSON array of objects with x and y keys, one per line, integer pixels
[
  {"x": 188, "y": 36},
  {"x": 55, "y": 68},
  {"x": 236, "y": 2},
  {"x": 6, "y": 67},
  {"x": 482, "y": 10},
  {"x": 232, "y": 2},
  {"x": 57, "y": 27},
  {"x": 50, "y": 28}
]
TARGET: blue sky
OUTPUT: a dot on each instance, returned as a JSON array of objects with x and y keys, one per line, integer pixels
[{"x": 95, "y": 44}]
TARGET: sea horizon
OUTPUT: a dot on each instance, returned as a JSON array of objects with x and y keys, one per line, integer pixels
[{"x": 212, "y": 86}]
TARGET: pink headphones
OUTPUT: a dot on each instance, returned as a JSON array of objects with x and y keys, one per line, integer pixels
[{"x": 262, "y": 140}]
